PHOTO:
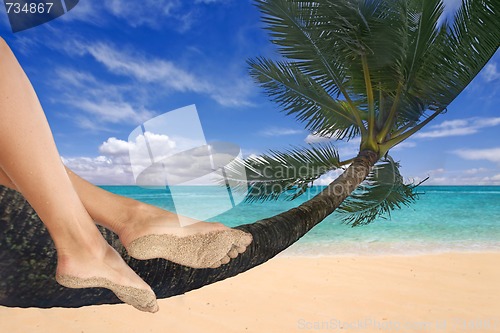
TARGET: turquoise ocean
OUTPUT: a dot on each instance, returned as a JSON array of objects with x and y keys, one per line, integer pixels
[{"x": 444, "y": 219}]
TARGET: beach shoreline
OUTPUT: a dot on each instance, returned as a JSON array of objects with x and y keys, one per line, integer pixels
[{"x": 445, "y": 292}]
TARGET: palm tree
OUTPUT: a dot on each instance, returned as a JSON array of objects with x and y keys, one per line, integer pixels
[{"x": 378, "y": 70}]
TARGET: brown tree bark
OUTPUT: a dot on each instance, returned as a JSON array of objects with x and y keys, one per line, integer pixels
[{"x": 28, "y": 257}]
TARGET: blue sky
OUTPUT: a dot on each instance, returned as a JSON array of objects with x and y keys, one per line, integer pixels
[{"x": 107, "y": 66}]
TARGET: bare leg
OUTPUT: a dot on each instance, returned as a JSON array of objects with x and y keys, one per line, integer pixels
[
  {"x": 29, "y": 158},
  {"x": 132, "y": 219},
  {"x": 5, "y": 181}
]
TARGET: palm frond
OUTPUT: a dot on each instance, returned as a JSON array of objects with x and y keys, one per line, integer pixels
[
  {"x": 301, "y": 96},
  {"x": 422, "y": 18},
  {"x": 414, "y": 25},
  {"x": 285, "y": 174},
  {"x": 475, "y": 37},
  {"x": 379, "y": 32},
  {"x": 383, "y": 191},
  {"x": 304, "y": 34},
  {"x": 454, "y": 54},
  {"x": 293, "y": 27}
]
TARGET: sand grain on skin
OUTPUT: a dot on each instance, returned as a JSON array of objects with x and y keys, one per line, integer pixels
[
  {"x": 141, "y": 299},
  {"x": 198, "y": 251}
]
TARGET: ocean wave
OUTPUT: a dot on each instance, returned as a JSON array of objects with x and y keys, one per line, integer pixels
[{"x": 387, "y": 248}]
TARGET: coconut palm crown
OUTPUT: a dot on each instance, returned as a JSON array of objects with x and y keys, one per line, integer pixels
[{"x": 378, "y": 70}]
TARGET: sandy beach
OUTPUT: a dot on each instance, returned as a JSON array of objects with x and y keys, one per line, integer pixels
[{"x": 455, "y": 292}]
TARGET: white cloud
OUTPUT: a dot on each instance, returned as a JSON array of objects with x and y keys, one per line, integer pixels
[
  {"x": 440, "y": 176},
  {"x": 100, "y": 170},
  {"x": 443, "y": 176},
  {"x": 278, "y": 131},
  {"x": 145, "y": 70},
  {"x": 316, "y": 138},
  {"x": 459, "y": 127},
  {"x": 86, "y": 11},
  {"x": 489, "y": 154},
  {"x": 346, "y": 149},
  {"x": 75, "y": 78},
  {"x": 233, "y": 93},
  {"x": 475, "y": 171},
  {"x": 164, "y": 75},
  {"x": 129, "y": 162},
  {"x": 436, "y": 171},
  {"x": 25, "y": 44},
  {"x": 113, "y": 112},
  {"x": 490, "y": 72},
  {"x": 150, "y": 13},
  {"x": 177, "y": 14},
  {"x": 156, "y": 14},
  {"x": 101, "y": 103},
  {"x": 186, "y": 21},
  {"x": 145, "y": 12},
  {"x": 404, "y": 145},
  {"x": 328, "y": 177},
  {"x": 116, "y": 150},
  {"x": 89, "y": 123},
  {"x": 113, "y": 165},
  {"x": 248, "y": 153}
]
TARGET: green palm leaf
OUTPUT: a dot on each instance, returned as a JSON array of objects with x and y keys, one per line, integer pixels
[
  {"x": 471, "y": 44},
  {"x": 453, "y": 55},
  {"x": 382, "y": 192},
  {"x": 300, "y": 95},
  {"x": 295, "y": 27},
  {"x": 284, "y": 174}
]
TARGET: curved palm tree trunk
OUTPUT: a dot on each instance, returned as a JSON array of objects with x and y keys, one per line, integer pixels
[{"x": 28, "y": 258}]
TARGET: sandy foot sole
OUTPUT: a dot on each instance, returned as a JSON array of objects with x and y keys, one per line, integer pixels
[
  {"x": 207, "y": 250},
  {"x": 141, "y": 299}
]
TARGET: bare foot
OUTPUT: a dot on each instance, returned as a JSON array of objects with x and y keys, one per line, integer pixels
[
  {"x": 105, "y": 269},
  {"x": 150, "y": 232}
]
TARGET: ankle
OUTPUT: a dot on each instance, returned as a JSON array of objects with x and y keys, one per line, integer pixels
[
  {"x": 138, "y": 217},
  {"x": 82, "y": 248},
  {"x": 76, "y": 265},
  {"x": 129, "y": 212}
]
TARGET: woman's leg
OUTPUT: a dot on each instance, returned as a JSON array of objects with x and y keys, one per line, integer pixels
[
  {"x": 29, "y": 158},
  {"x": 132, "y": 219},
  {"x": 5, "y": 180}
]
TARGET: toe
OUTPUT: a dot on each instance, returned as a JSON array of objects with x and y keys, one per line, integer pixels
[
  {"x": 242, "y": 238},
  {"x": 225, "y": 260},
  {"x": 241, "y": 249},
  {"x": 233, "y": 253},
  {"x": 152, "y": 307}
]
